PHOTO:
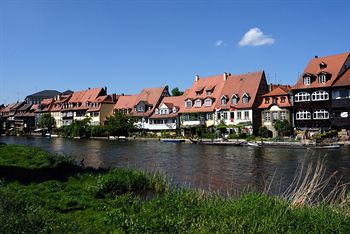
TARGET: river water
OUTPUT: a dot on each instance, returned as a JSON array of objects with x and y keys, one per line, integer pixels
[{"x": 219, "y": 168}]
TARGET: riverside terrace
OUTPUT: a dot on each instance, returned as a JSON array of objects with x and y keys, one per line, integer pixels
[{"x": 318, "y": 101}]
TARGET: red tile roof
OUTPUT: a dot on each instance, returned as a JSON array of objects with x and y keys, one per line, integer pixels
[
  {"x": 211, "y": 83},
  {"x": 170, "y": 102},
  {"x": 334, "y": 64},
  {"x": 344, "y": 80},
  {"x": 151, "y": 96},
  {"x": 239, "y": 85}
]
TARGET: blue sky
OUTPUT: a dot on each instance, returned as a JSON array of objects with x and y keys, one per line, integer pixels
[{"x": 129, "y": 45}]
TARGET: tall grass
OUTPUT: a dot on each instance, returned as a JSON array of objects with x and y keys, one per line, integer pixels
[{"x": 132, "y": 201}]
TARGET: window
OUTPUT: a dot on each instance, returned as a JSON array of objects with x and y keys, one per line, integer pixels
[
  {"x": 239, "y": 115},
  {"x": 224, "y": 115},
  {"x": 209, "y": 116},
  {"x": 307, "y": 80},
  {"x": 174, "y": 109},
  {"x": 234, "y": 100},
  {"x": 274, "y": 115},
  {"x": 321, "y": 114},
  {"x": 267, "y": 100},
  {"x": 223, "y": 100},
  {"x": 302, "y": 97},
  {"x": 267, "y": 116},
  {"x": 198, "y": 103},
  {"x": 274, "y": 100},
  {"x": 209, "y": 92},
  {"x": 322, "y": 78},
  {"x": 283, "y": 99},
  {"x": 246, "y": 114},
  {"x": 319, "y": 95},
  {"x": 95, "y": 114},
  {"x": 139, "y": 108},
  {"x": 157, "y": 111},
  {"x": 163, "y": 111},
  {"x": 245, "y": 98},
  {"x": 300, "y": 115},
  {"x": 283, "y": 115},
  {"x": 208, "y": 102},
  {"x": 188, "y": 104}
]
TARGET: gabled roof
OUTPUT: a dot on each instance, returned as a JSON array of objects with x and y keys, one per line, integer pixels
[
  {"x": 214, "y": 83},
  {"x": 44, "y": 93},
  {"x": 87, "y": 95},
  {"x": 151, "y": 96},
  {"x": 277, "y": 91},
  {"x": 170, "y": 102},
  {"x": 240, "y": 85},
  {"x": 344, "y": 80},
  {"x": 334, "y": 65},
  {"x": 25, "y": 107},
  {"x": 8, "y": 107}
]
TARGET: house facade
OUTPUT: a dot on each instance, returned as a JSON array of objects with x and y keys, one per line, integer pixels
[
  {"x": 142, "y": 105},
  {"x": 101, "y": 108},
  {"x": 340, "y": 102},
  {"x": 227, "y": 98},
  {"x": 166, "y": 115},
  {"x": 239, "y": 100},
  {"x": 276, "y": 105},
  {"x": 312, "y": 94}
]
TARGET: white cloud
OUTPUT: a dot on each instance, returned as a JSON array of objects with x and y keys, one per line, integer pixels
[
  {"x": 255, "y": 37},
  {"x": 219, "y": 43}
]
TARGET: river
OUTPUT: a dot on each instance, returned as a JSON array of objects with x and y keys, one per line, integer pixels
[{"x": 219, "y": 168}]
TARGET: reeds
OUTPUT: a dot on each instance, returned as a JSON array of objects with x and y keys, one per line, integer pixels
[{"x": 311, "y": 186}]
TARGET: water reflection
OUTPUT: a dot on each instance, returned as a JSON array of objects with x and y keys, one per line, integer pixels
[{"x": 207, "y": 167}]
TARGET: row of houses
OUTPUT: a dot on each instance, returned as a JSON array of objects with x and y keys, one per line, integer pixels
[{"x": 320, "y": 100}]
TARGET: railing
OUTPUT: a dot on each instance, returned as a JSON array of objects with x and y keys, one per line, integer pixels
[
  {"x": 341, "y": 102},
  {"x": 339, "y": 121}
]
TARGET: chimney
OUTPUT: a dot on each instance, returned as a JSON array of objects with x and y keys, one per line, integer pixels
[
  {"x": 225, "y": 76},
  {"x": 106, "y": 89},
  {"x": 270, "y": 87},
  {"x": 197, "y": 78}
]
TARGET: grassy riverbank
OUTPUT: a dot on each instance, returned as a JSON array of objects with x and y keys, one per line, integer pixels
[{"x": 42, "y": 192}]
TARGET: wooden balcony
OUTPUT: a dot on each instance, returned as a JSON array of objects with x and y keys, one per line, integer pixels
[
  {"x": 340, "y": 122},
  {"x": 340, "y": 102}
]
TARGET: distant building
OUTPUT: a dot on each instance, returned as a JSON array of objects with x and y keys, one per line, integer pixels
[
  {"x": 36, "y": 98},
  {"x": 142, "y": 105},
  {"x": 314, "y": 100},
  {"x": 276, "y": 105}
]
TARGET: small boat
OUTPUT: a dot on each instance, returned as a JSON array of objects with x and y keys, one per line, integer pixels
[
  {"x": 173, "y": 140},
  {"x": 294, "y": 146},
  {"x": 230, "y": 143}
]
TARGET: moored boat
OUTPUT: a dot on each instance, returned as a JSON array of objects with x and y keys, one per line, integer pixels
[
  {"x": 173, "y": 140},
  {"x": 294, "y": 146},
  {"x": 227, "y": 143}
]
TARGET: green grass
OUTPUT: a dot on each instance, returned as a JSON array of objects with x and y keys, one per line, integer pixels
[{"x": 132, "y": 201}]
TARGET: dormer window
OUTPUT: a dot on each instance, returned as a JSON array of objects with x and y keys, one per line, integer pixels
[
  {"x": 283, "y": 99},
  {"x": 274, "y": 100},
  {"x": 307, "y": 80},
  {"x": 209, "y": 92},
  {"x": 174, "y": 109},
  {"x": 188, "y": 104},
  {"x": 223, "y": 100},
  {"x": 157, "y": 111},
  {"x": 323, "y": 65},
  {"x": 245, "y": 98},
  {"x": 198, "y": 103},
  {"x": 267, "y": 100},
  {"x": 234, "y": 99},
  {"x": 322, "y": 78},
  {"x": 208, "y": 102}
]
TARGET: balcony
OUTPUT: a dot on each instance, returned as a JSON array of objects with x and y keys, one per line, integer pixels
[
  {"x": 341, "y": 102},
  {"x": 340, "y": 122}
]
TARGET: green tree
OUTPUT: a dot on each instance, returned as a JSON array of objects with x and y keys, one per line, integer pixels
[
  {"x": 282, "y": 127},
  {"x": 81, "y": 128},
  {"x": 264, "y": 132},
  {"x": 176, "y": 92},
  {"x": 222, "y": 127},
  {"x": 119, "y": 124},
  {"x": 46, "y": 121}
]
